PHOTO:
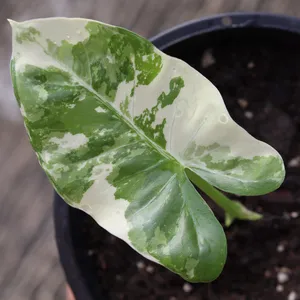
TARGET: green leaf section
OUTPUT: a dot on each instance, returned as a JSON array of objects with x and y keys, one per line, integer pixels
[{"x": 235, "y": 174}]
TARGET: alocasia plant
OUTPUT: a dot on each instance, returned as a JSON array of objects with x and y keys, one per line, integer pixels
[{"x": 121, "y": 128}]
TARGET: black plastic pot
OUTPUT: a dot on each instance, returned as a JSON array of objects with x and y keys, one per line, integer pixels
[{"x": 178, "y": 42}]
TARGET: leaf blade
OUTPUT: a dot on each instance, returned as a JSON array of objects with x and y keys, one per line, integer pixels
[
  {"x": 93, "y": 161},
  {"x": 104, "y": 112}
]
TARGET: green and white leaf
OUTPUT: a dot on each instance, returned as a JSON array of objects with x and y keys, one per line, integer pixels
[{"x": 115, "y": 122}]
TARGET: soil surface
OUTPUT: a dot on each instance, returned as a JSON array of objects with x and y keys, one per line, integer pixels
[{"x": 258, "y": 75}]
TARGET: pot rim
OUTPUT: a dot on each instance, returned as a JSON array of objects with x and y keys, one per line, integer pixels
[
  {"x": 225, "y": 21},
  {"x": 162, "y": 41}
]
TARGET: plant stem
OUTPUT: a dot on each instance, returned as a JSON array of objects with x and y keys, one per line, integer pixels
[
  {"x": 233, "y": 209},
  {"x": 210, "y": 191}
]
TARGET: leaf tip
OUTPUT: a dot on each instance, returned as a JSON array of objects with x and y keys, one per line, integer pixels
[{"x": 12, "y": 23}]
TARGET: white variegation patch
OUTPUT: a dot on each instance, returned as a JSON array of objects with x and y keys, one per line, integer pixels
[
  {"x": 124, "y": 90},
  {"x": 103, "y": 131},
  {"x": 82, "y": 165},
  {"x": 110, "y": 59},
  {"x": 42, "y": 93},
  {"x": 99, "y": 109},
  {"x": 56, "y": 170},
  {"x": 109, "y": 214},
  {"x": 23, "y": 112},
  {"x": 60, "y": 30},
  {"x": 70, "y": 141},
  {"x": 199, "y": 115},
  {"x": 35, "y": 55},
  {"x": 146, "y": 95},
  {"x": 97, "y": 202},
  {"x": 71, "y": 105},
  {"x": 82, "y": 97},
  {"x": 46, "y": 156}
]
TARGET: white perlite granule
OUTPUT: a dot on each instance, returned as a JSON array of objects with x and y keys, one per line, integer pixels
[
  {"x": 292, "y": 295},
  {"x": 279, "y": 288},
  {"x": 282, "y": 277},
  {"x": 140, "y": 265},
  {"x": 294, "y": 214},
  {"x": 280, "y": 248},
  {"x": 150, "y": 269},
  {"x": 187, "y": 287},
  {"x": 294, "y": 162},
  {"x": 249, "y": 114}
]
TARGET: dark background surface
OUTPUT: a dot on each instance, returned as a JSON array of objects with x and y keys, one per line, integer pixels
[{"x": 29, "y": 264}]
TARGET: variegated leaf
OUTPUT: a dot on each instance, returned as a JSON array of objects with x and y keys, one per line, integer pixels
[{"x": 115, "y": 122}]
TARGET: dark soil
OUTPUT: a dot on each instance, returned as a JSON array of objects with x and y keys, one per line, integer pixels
[{"x": 258, "y": 75}]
